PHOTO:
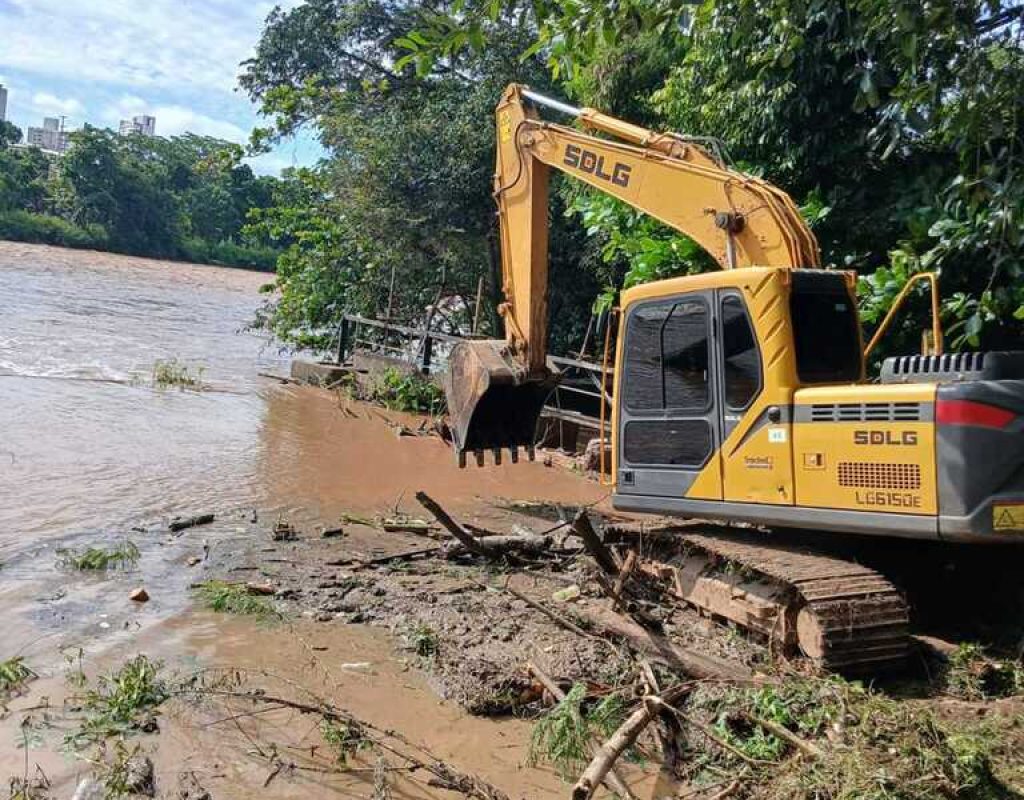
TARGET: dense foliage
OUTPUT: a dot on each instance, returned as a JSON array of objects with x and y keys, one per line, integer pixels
[
  {"x": 185, "y": 197},
  {"x": 895, "y": 125},
  {"x": 406, "y": 189}
]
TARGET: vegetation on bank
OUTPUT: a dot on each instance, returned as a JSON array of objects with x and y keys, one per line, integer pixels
[
  {"x": 896, "y": 127},
  {"x": 168, "y": 372},
  {"x": 185, "y": 198},
  {"x": 232, "y": 598},
  {"x": 808, "y": 738},
  {"x": 125, "y": 701},
  {"x": 100, "y": 559},
  {"x": 14, "y": 674}
]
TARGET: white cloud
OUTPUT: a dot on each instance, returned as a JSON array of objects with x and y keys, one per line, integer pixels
[
  {"x": 157, "y": 43},
  {"x": 101, "y": 61},
  {"x": 49, "y": 105},
  {"x": 173, "y": 120},
  {"x": 271, "y": 163}
]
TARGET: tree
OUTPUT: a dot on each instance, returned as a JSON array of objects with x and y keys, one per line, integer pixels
[
  {"x": 898, "y": 122},
  {"x": 408, "y": 177},
  {"x": 9, "y": 134},
  {"x": 23, "y": 177}
]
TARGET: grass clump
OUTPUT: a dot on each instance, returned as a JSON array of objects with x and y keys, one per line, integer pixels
[
  {"x": 406, "y": 391},
  {"x": 172, "y": 372},
  {"x": 233, "y": 598},
  {"x": 560, "y": 737},
  {"x": 124, "y": 773},
  {"x": 872, "y": 747},
  {"x": 344, "y": 738},
  {"x": 14, "y": 674},
  {"x": 123, "y": 702},
  {"x": 99, "y": 559},
  {"x": 423, "y": 640},
  {"x": 972, "y": 675}
]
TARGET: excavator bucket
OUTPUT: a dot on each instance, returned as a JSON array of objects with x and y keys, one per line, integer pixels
[{"x": 492, "y": 402}]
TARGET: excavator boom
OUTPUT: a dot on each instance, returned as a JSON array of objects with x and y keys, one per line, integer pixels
[{"x": 496, "y": 388}]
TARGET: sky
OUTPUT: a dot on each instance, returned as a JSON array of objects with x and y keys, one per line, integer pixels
[{"x": 100, "y": 61}]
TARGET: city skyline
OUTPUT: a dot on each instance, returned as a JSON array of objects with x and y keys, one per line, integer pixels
[
  {"x": 53, "y": 135},
  {"x": 104, "y": 61}
]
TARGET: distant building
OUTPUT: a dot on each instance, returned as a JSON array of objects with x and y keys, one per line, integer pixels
[
  {"x": 3, "y": 103},
  {"x": 144, "y": 125},
  {"x": 51, "y": 137}
]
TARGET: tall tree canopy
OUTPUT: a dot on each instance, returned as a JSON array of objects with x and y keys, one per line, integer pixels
[
  {"x": 183, "y": 197},
  {"x": 407, "y": 184},
  {"x": 896, "y": 126}
]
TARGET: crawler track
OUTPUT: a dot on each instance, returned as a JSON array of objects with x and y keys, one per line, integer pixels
[{"x": 842, "y": 615}]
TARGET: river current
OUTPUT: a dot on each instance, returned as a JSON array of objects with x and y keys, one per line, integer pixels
[{"x": 87, "y": 441}]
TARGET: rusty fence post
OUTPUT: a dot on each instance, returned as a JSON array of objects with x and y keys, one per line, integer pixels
[
  {"x": 343, "y": 334},
  {"x": 428, "y": 353}
]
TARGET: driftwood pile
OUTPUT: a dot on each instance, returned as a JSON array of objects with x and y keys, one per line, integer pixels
[{"x": 629, "y": 621}]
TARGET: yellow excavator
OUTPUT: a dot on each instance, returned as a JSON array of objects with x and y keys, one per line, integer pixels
[{"x": 741, "y": 396}]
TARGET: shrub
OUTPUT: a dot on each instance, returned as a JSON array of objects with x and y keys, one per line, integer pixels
[
  {"x": 23, "y": 226},
  {"x": 406, "y": 391}
]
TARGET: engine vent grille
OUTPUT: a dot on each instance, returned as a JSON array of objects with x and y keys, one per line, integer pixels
[
  {"x": 865, "y": 412},
  {"x": 867, "y": 475},
  {"x": 954, "y": 367}
]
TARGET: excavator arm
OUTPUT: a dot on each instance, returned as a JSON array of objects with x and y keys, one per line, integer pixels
[{"x": 496, "y": 388}]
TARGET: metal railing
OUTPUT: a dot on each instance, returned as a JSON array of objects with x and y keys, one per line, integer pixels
[{"x": 576, "y": 399}]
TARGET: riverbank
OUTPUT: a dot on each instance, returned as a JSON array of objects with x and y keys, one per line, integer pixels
[
  {"x": 344, "y": 601},
  {"x": 44, "y": 229}
]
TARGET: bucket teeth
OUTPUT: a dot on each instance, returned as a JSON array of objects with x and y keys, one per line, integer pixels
[
  {"x": 531, "y": 453},
  {"x": 479, "y": 458},
  {"x": 513, "y": 453},
  {"x": 497, "y": 456},
  {"x": 462, "y": 459}
]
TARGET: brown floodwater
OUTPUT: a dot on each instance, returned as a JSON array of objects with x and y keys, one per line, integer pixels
[{"x": 91, "y": 453}]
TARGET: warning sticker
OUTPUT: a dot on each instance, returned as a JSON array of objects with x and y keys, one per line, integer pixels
[
  {"x": 1008, "y": 517},
  {"x": 505, "y": 126}
]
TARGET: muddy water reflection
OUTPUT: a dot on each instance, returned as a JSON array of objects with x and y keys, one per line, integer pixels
[{"x": 85, "y": 441}]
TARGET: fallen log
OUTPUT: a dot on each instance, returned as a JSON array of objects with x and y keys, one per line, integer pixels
[
  {"x": 592, "y": 542},
  {"x": 612, "y": 780},
  {"x": 183, "y": 523},
  {"x": 659, "y": 649},
  {"x": 557, "y": 618},
  {"x": 418, "y": 526},
  {"x": 623, "y": 576},
  {"x": 362, "y": 561},
  {"x": 620, "y": 741},
  {"x": 670, "y": 731},
  {"x": 503, "y": 545},
  {"x": 471, "y": 543},
  {"x": 784, "y": 733}
]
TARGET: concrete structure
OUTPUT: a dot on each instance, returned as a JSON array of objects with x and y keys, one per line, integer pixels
[
  {"x": 144, "y": 125},
  {"x": 51, "y": 137},
  {"x": 3, "y": 103}
]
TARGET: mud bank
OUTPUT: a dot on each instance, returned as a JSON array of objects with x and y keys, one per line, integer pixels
[{"x": 434, "y": 648}]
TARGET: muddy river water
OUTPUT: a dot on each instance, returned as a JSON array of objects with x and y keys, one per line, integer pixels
[{"x": 91, "y": 453}]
